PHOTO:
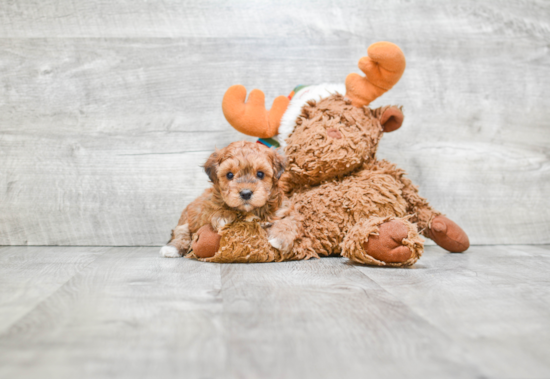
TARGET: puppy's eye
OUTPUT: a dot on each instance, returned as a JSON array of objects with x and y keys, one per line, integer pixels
[
  {"x": 229, "y": 175},
  {"x": 260, "y": 175}
]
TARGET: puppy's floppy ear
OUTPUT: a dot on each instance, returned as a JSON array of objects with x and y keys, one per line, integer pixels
[
  {"x": 211, "y": 166},
  {"x": 279, "y": 164}
]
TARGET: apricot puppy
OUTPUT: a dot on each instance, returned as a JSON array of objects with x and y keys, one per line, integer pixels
[{"x": 245, "y": 183}]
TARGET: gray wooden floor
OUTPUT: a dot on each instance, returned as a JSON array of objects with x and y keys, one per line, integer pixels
[{"x": 77, "y": 312}]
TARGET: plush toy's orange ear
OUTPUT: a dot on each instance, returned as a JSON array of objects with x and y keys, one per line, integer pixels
[
  {"x": 252, "y": 118},
  {"x": 383, "y": 67}
]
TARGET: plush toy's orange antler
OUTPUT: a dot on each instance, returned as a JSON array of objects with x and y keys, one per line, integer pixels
[
  {"x": 252, "y": 118},
  {"x": 383, "y": 68}
]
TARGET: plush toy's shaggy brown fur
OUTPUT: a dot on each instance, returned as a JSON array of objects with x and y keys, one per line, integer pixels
[
  {"x": 251, "y": 239},
  {"x": 345, "y": 194},
  {"x": 241, "y": 242}
]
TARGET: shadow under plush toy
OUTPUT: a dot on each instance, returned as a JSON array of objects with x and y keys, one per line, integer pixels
[{"x": 350, "y": 203}]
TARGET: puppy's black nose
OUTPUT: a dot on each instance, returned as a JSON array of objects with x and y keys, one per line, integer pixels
[{"x": 246, "y": 194}]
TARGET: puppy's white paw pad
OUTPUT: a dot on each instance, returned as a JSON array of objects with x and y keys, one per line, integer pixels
[
  {"x": 276, "y": 243},
  {"x": 169, "y": 252}
]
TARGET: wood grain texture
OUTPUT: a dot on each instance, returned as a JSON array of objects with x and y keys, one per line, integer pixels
[
  {"x": 263, "y": 19},
  {"x": 129, "y": 314},
  {"x": 29, "y": 275},
  {"x": 323, "y": 319},
  {"x": 492, "y": 300},
  {"x": 108, "y": 110},
  {"x": 124, "y": 312}
]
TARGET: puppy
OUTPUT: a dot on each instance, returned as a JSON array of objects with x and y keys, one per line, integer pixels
[{"x": 245, "y": 182}]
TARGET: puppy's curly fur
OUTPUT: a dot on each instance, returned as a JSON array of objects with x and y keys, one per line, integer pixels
[{"x": 245, "y": 185}]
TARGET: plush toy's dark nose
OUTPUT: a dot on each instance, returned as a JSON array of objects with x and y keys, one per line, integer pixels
[{"x": 246, "y": 194}]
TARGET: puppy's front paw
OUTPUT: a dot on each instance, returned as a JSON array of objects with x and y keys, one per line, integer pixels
[
  {"x": 276, "y": 243},
  {"x": 169, "y": 252},
  {"x": 281, "y": 243},
  {"x": 219, "y": 222},
  {"x": 282, "y": 234}
]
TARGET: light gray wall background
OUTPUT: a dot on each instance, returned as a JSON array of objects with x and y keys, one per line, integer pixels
[{"x": 107, "y": 109}]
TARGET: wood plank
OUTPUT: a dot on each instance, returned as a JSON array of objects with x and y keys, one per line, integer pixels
[
  {"x": 129, "y": 314},
  {"x": 324, "y": 319},
  {"x": 494, "y": 301},
  {"x": 258, "y": 19},
  {"x": 29, "y": 275}
]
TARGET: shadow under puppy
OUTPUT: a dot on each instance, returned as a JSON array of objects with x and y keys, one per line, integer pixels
[{"x": 245, "y": 192}]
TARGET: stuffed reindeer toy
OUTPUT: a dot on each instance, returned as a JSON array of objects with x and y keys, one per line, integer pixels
[{"x": 346, "y": 201}]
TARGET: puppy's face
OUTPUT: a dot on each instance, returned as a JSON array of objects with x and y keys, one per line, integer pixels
[{"x": 245, "y": 174}]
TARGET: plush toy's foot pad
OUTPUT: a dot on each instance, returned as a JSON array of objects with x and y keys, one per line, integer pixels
[
  {"x": 383, "y": 241},
  {"x": 207, "y": 242},
  {"x": 388, "y": 246},
  {"x": 447, "y": 234}
]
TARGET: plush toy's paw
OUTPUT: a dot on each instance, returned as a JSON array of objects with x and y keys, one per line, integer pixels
[
  {"x": 388, "y": 246},
  {"x": 447, "y": 234},
  {"x": 169, "y": 252},
  {"x": 207, "y": 242},
  {"x": 383, "y": 241}
]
